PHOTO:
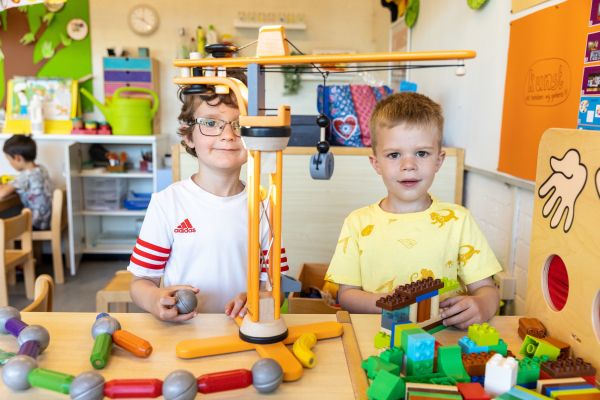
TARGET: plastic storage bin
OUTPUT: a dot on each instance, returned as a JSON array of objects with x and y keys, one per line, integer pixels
[
  {"x": 104, "y": 194},
  {"x": 137, "y": 201}
]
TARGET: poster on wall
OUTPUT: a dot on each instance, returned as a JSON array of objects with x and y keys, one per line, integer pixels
[
  {"x": 592, "y": 48},
  {"x": 543, "y": 81},
  {"x": 589, "y": 113},
  {"x": 595, "y": 13},
  {"x": 591, "y": 80}
]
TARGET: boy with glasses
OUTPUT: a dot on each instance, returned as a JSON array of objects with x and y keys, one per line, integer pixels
[{"x": 195, "y": 233}]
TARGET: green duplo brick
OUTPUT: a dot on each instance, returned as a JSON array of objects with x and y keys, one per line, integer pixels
[
  {"x": 374, "y": 364},
  {"x": 500, "y": 348},
  {"x": 382, "y": 340},
  {"x": 386, "y": 386},
  {"x": 393, "y": 356},
  {"x": 398, "y": 329},
  {"x": 404, "y": 337},
  {"x": 419, "y": 367}
]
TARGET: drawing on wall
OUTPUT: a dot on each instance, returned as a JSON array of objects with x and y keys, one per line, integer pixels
[
  {"x": 56, "y": 95},
  {"x": 589, "y": 113},
  {"x": 595, "y": 13},
  {"x": 592, "y": 48},
  {"x": 591, "y": 80},
  {"x": 563, "y": 186}
]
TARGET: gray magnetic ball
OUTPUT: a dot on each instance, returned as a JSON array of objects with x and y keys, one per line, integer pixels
[
  {"x": 87, "y": 386},
  {"x": 266, "y": 375},
  {"x": 37, "y": 333},
  {"x": 16, "y": 370},
  {"x": 105, "y": 325},
  {"x": 7, "y": 313},
  {"x": 180, "y": 385},
  {"x": 186, "y": 301}
]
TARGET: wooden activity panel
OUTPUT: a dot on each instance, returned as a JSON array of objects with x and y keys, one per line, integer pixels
[{"x": 564, "y": 265}]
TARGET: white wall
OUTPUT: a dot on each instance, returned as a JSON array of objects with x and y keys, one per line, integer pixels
[
  {"x": 473, "y": 105},
  {"x": 334, "y": 24}
]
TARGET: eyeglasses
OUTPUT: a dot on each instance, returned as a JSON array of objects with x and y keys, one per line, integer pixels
[{"x": 215, "y": 127}]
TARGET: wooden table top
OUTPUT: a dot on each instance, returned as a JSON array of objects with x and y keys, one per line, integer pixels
[{"x": 71, "y": 343}]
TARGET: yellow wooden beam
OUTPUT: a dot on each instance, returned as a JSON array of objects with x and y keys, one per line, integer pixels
[{"x": 330, "y": 58}]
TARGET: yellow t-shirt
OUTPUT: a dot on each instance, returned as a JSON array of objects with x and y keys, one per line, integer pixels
[{"x": 378, "y": 250}]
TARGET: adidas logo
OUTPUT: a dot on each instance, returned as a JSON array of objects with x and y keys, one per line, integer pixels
[{"x": 185, "y": 227}]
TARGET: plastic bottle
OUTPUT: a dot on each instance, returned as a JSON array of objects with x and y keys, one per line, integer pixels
[
  {"x": 200, "y": 40},
  {"x": 36, "y": 115},
  {"x": 182, "y": 50},
  {"x": 211, "y": 35}
]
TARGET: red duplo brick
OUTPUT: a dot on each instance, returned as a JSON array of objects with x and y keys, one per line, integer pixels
[{"x": 472, "y": 391}]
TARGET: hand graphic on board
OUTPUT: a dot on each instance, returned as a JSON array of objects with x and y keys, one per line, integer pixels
[{"x": 564, "y": 186}]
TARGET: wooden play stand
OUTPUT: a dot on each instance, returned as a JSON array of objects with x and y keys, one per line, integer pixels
[{"x": 573, "y": 174}]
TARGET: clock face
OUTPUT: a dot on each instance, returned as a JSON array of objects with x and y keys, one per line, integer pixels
[
  {"x": 77, "y": 29},
  {"x": 143, "y": 20}
]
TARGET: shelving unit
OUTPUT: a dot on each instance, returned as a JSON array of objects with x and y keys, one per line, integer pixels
[
  {"x": 239, "y": 24},
  {"x": 100, "y": 224}
]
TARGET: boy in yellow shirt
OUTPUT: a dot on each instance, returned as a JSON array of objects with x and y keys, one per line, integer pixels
[{"x": 410, "y": 235}]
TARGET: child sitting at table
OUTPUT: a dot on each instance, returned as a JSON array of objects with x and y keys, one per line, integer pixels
[
  {"x": 409, "y": 234},
  {"x": 195, "y": 233},
  {"x": 32, "y": 184}
]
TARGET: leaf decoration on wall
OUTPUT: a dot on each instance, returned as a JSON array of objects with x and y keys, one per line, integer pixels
[
  {"x": 65, "y": 40},
  {"x": 48, "y": 18},
  {"x": 47, "y": 50},
  {"x": 27, "y": 38}
]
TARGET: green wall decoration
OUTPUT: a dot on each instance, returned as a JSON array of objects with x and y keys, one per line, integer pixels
[{"x": 34, "y": 42}]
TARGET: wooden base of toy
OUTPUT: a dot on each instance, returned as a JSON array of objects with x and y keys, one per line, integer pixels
[{"x": 292, "y": 369}]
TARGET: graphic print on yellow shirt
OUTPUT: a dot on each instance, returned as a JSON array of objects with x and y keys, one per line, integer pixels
[{"x": 378, "y": 251}]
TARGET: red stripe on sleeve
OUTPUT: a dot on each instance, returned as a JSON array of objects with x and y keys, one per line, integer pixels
[
  {"x": 141, "y": 263},
  {"x": 148, "y": 255},
  {"x": 153, "y": 247}
]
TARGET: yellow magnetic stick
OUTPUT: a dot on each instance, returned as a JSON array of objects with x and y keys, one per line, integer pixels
[{"x": 302, "y": 347}]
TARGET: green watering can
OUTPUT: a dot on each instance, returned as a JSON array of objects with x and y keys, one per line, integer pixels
[{"x": 128, "y": 115}]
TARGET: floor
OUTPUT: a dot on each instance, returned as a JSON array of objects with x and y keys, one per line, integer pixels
[{"x": 78, "y": 293}]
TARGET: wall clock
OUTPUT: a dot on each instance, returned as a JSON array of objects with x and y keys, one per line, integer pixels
[{"x": 143, "y": 19}]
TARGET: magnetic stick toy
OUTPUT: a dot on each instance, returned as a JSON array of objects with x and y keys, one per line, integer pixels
[
  {"x": 107, "y": 330},
  {"x": 21, "y": 371}
]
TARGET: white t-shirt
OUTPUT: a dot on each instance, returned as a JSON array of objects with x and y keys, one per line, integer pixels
[{"x": 190, "y": 236}]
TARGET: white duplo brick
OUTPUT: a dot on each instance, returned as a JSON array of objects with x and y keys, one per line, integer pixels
[{"x": 500, "y": 374}]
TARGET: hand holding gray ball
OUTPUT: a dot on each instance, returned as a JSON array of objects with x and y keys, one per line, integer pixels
[{"x": 186, "y": 301}]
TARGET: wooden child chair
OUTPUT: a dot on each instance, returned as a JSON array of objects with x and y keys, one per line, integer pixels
[
  {"x": 16, "y": 228},
  {"x": 58, "y": 224},
  {"x": 43, "y": 295}
]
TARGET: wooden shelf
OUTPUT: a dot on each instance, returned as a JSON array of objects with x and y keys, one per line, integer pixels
[
  {"x": 102, "y": 173},
  {"x": 255, "y": 25},
  {"x": 122, "y": 212}
]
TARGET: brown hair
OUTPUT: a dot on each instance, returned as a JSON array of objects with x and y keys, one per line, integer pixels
[
  {"x": 406, "y": 108},
  {"x": 21, "y": 145},
  {"x": 192, "y": 101}
]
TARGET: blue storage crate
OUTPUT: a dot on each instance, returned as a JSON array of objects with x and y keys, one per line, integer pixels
[{"x": 137, "y": 201}]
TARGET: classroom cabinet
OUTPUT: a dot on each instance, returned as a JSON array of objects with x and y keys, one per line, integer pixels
[{"x": 100, "y": 219}]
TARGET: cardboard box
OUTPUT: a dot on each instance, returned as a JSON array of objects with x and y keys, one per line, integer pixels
[{"x": 311, "y": 275}]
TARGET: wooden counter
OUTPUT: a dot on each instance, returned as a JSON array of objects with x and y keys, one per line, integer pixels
[{"x": 71, "y": 343}]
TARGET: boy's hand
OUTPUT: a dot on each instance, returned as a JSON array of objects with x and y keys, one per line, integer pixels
[
  {"x": 165, "y": 308},
  {"x": 237, "y": 306},
  {"x": 462, "y": 311}
]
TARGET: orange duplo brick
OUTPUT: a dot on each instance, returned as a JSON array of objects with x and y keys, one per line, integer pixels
[{"x": 132, "y": 343}]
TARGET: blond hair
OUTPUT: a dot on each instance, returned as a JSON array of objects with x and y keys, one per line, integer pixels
[{"x": 409, "y": 108}]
